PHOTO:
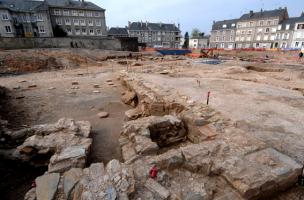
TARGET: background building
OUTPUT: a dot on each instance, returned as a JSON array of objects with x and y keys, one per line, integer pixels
[
  {"x": 156, "y": 34},
  {"x": 22, "y": 18},
  {"x": 199, "y": 42},
  {"x": 28, "y": 18},
  {"x": 258, "y": 29},
  {"x": 223, "y": 34},
  {"x": 118, "y": 32},
  {"x": 78, "y": 18},
  {"x": 298, "y": 35}
]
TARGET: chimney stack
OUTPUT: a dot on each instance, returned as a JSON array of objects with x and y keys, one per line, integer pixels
[
  {"x": 251, "y": 13},
  {"x": 129, "y": 24},
  {"x": 302, "y": 14}
]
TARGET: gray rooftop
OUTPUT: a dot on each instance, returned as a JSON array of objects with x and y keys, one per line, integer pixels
[
  {"x": 23, "y": 5},
  {"x": 219, "y": 24},
  {"x": 291, "y": 22},
  {"x": 74, "y": 4},
  {"x": 264, "y": 14},
  {"x": 153, "y": 26},
  {"x": 118, "y": 31}
]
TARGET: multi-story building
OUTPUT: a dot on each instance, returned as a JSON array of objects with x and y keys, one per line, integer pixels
[
  {"x": 284, "y": 33},
  {"x": 29, "y": 18},
  {"x": 199, "y": 42},
  {"x": 298, "y": 35},
  {"x": 78, "y": 18},
  {"x": 156, "y": 34},
  {"x": 24, "y": 18},
  {"x": 258, "y": 29},
  {"x": 118, "y": 32},
  {"x": 223, "y": 34}
]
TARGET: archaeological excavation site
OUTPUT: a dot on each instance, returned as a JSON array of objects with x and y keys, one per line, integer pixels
[{"x": 80, "y": 124}]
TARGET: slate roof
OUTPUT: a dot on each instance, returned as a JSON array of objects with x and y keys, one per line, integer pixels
[
  {"x": 264, "y": 14},
  {"x": 219, "y": 24},
  {"x": 134, "y": 26},
  {"x": 23, "y": 5},
  {"x": 291, "y": 21},
  {"x": 118, "y": 31},
  {"x": 74, "y": 4}
]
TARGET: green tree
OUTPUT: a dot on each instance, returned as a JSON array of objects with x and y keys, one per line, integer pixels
[
  {"x": 186, "y": 42},
  {"x": 195, "y": 32}
]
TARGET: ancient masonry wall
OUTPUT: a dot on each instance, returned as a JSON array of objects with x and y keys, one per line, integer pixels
[{"x": 68, "y": 42}]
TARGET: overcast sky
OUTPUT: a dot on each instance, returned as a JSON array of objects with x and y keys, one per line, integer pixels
[{"x": 189, "y": 13}]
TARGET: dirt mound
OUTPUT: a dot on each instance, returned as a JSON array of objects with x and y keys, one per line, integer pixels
[{"x": 261, "y": 69}]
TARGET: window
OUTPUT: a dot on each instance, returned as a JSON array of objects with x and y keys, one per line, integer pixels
[
  {"x": 90, "y": 22},
  {"x": 278, "y": 36},
  {"x": 76, "y": 22},
  {"x": 286, "y": 36},
  {"x": 41, "y": 29},
  {"x": 272, "y": 37},
  {"x": 81, "y": 13},
  {"x": 74, "y": 12},
  {"x": 67, "y": 21},
  {"x": 66, "y": 12},
  {"x": 57, "y": 12},
  {"x": 8, "y": 29},
  {"x": 287, "y": 26},
  {"x": 297, "y": 44},
  {"x": 248, "y": 38},
  {"x": 224, "y": 26},
  {"x": 217, "y": 38},
  {"x": 84, "y": 31},
  {"x": 4, "y": 17},
  {"x": 260, "y": 30},
  {"x": 237, "y": 38},
  {"x": 267, "y": 30},
  {"x": 69, "y": 31},
  {"x": 249, "y": 32},
  {"x": 58, "y": 21},
  {"x": 239, "y": 26},
  {"x": 300, "y": 26},
  {"x": 273, "y": 30},
  {"x": 251, "y": 24},
  {"x": 89, "y": 14},
  {"x": 231, "y": 38},
  {"x": 82, "y": 22},
  {"x": 268, "y": 23},
  {"x": 98, "y": 23},
  {"x": 91, "y": 31},
  {"x": 265, "y": 37},
  {"x": 224, "y": 38},
  {"x": 98, "y": 31},
  {"x": 258, "y": 38},
  {"x": 233, "y": 25},
  {"x": 279, "y": 27},
  {"x": 97, "y": 14},
  {"x": 261, "y": 23},
  {"x": 39, "y": 17},
  {"x": 77, "y": 31}
]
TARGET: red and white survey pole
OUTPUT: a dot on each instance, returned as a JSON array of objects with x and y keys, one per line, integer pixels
[{"x": 208, "y": 96}]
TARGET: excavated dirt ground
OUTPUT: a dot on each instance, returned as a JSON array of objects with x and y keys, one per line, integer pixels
[{"x": 264, "y": 99}]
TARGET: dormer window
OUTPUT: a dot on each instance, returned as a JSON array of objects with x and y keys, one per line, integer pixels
[
  {"x": 287, "y": 26},
  {"x": 233, "y": 25},
  {"x": 224, "y": 25}
]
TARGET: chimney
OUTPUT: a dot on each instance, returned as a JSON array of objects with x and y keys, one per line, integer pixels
[
  {"x": 178, "y": 26},
  {"x": 146, "y": 23},
  {"x": 251, "y": 13},
  {"x": 213, "y": 21},
  {"x": 129, "y": 24},
  {"x": 141, "y": 23},
  {"x": 261, "y": 10},
  {"x": 160, "y": 24},
  {"x": 302, "y": 14}
]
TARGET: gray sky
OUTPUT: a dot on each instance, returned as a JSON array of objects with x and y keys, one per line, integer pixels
[{"x": 189, "y": 13}]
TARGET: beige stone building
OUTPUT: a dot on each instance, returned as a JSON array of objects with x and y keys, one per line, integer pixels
[
  {"x": 258, "y": 29},
  {"x": 223, "y": 34}
]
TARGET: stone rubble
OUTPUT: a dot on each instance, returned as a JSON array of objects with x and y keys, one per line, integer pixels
[{"x": 67, "y": 143}]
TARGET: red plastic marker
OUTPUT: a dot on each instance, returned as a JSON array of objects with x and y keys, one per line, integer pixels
[
  {"x": 153, "y": 172},
  {"x": 208, "y": 96}
]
